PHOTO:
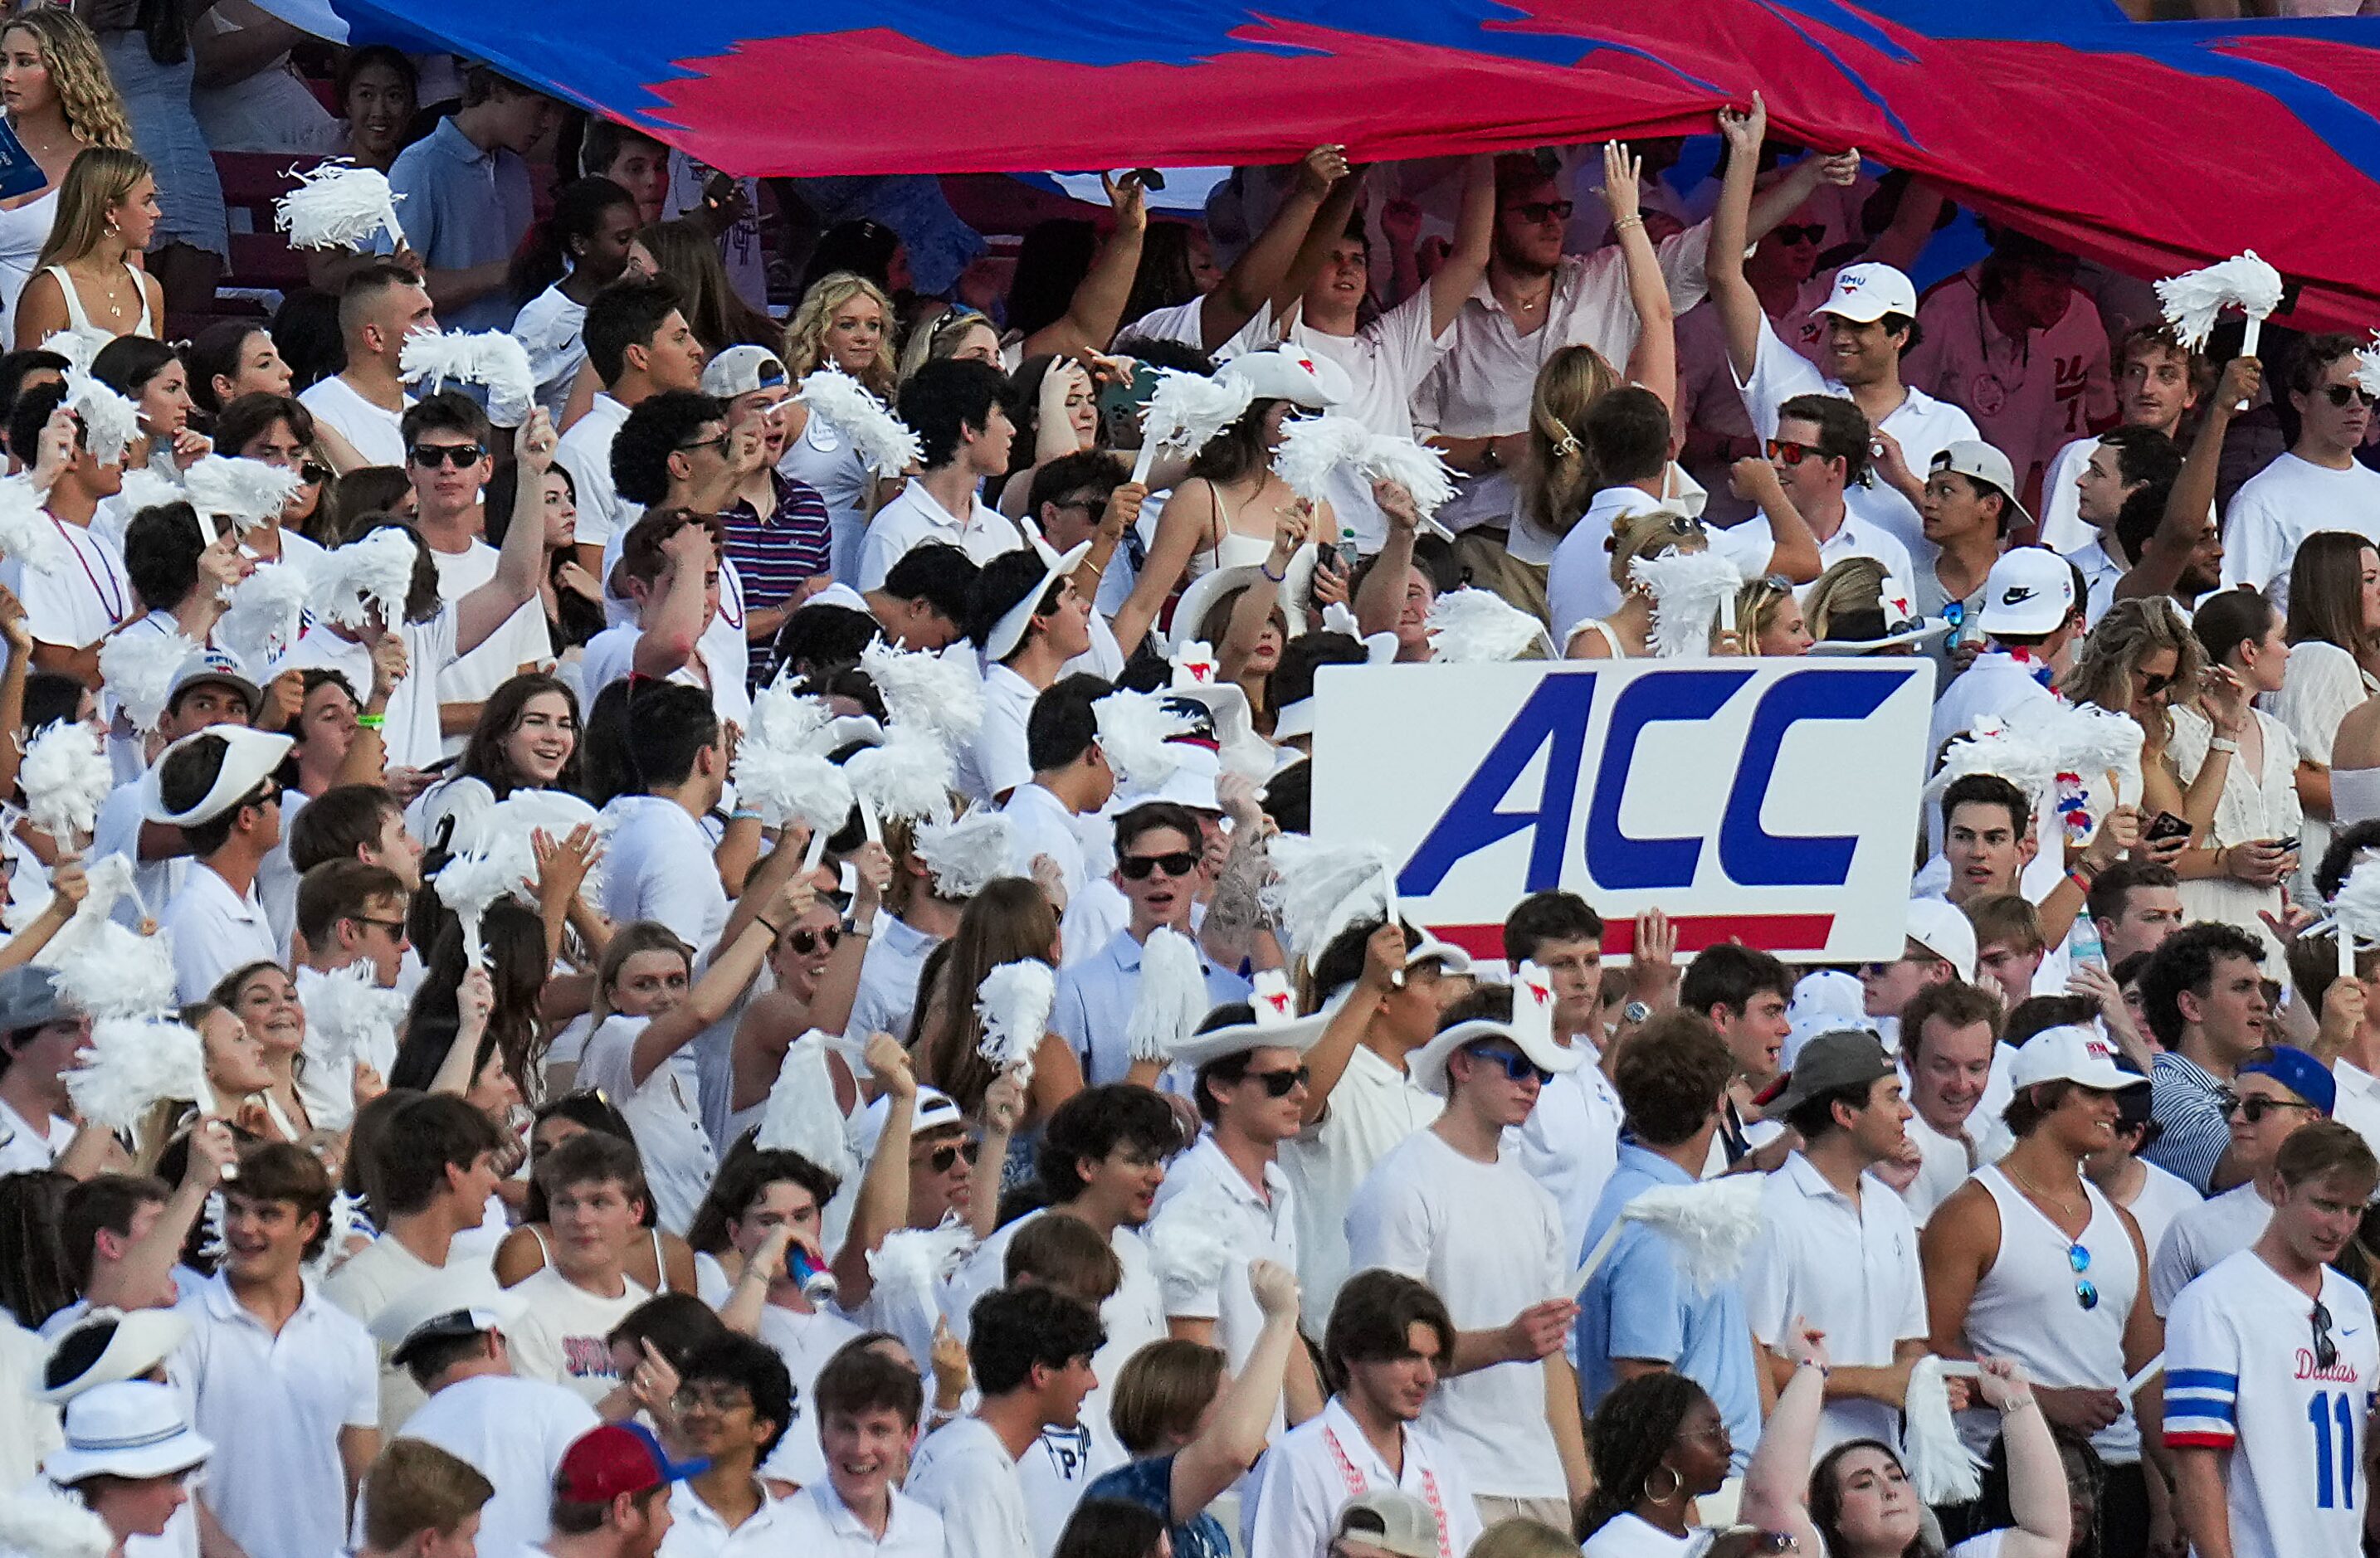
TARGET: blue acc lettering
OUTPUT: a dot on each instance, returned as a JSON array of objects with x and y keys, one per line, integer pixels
[{"x": 1555, "y": 719}]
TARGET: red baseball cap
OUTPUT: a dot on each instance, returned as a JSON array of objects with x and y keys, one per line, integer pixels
[{"x": 603, "y": 1463}]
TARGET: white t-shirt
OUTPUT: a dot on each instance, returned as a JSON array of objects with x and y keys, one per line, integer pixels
[
  {"x": 2280, "y": 506},
  {"x": 513, "y": 1432},
  {"x": 2159, "y": 1203},
  {"x": 804, "y": 1342},
  {"x": 586, "y": 452},
  {"x": 2242, "y": 1376},
  {"x": 1386, "y": 360},
  {"x": 523, "y": 640},
  {"x": 965, "y": 1475},
  {"x": 364, "y": 1285},
  {"x": 664, "y": 1115},
  {"x": 1054, "y": 1472},
  {"x": 26, "y": 1148},
  {"x": 84, "y": 599},
  {"x": 1488, "y": 1240},
  {"x": 560, "y": 1340},
  {"x": 377, "y": 433},
  {"x": 2203, "y": 1238},
  {"x": 410, "y": 737}
]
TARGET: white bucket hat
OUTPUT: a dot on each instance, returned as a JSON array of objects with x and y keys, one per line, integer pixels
[{"x": 135, "y": 1428}]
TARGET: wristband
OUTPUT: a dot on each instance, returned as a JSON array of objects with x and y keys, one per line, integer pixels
[
  {"x": 2079, "y": 880},
  {"x": 370, "y": 721},
  {"x": 1267, "y": 573},
  {"x": 2222, "y": 744},
  {"x": 1823, "y": 1372},
  {"x": 762, "y": 922},
  {"x": 1625, "y": 222}
]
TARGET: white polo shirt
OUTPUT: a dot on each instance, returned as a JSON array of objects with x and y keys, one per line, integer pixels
[
  {"x": 817, "y": 1524},
  {"x": 1204, "y": 1184},
  {"x": 1850, "y": 1266},
  {"x": 1313, "y": 1471},
  {"x": 1578, "y": 580},
  {"x": 1374, "y": 1106},
  {"x": 215, "y": 930},
  {"x": 513, "y": 1432},
  {"x": 275, "y": 1406},
  {"x": 996, "y": 761},
  {"x": 964, "y": 1473},
  {"x": 585, "y": 451},
  {"x": 377, "y": 432},
  {"x": 912, "y": 518},
  {"x": 696, "y": 1532}
]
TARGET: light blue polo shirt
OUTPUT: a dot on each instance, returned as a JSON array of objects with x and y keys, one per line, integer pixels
[
  {"x": 1636, "y": 1305},
  {"x": 463, "y": 207},
  {"x": 1095, "y": 1000}
]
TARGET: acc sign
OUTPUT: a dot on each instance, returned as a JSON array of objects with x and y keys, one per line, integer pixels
[{"x": 1772, "y": 802}]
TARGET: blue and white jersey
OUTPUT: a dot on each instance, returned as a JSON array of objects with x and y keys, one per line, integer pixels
[{"x": 2242, "y": 1376}]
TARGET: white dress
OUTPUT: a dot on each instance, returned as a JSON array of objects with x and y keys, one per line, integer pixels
[
  {"x": 23, "y": 233},
  {"x": 2320, "y": 684},
  {"x": 2252, "y": 807}
]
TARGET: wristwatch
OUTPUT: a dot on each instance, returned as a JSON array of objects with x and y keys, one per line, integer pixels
[{"x": 1635, "y": 1011}]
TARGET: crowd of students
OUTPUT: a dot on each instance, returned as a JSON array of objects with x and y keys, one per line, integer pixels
[{"x": 631, "y": 974}]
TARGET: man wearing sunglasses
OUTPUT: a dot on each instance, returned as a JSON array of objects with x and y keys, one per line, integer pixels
[
  {"x": 2029, "y": 1261},
  {"x": 218, "y": 788},
  {"x": 2278, "y": 1092},
  {"x": 2318, "y": 484},
  {"x": 2270, "y": 1360},
  {"x": 1449, "y": 1207},
  {"x": 447, "y": 457},
  {"x": 1157, "y": 869}
]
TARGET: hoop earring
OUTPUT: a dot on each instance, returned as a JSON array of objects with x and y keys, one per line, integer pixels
[{"x": 1677, "y": 1485}]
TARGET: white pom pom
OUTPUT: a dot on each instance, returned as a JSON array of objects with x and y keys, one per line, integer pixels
[
  {"x": 110, "y": 971},
  {"x": 789, "y": 720},
  {"x": 1186, "y": 410},
  {"x": 965, "y": 853},
  {"x": 65, "y": 777},
  {"x": 1014, "y": 1001},
  {"x": 910, "y": 1266},
  {"x": 1319, "y": 890},
  {"x": 110, "y": 422},
  {"x": 882, "y": 441},
  {"x": 909, "y": 777},
  {"x": 801, "y": 1116},
  {"x": 139, "y": 668},
  {"x": 1990, "y": 747},
  {"x": 934, "y": 692},
  {"x": 350, "y": 1017},
  {"x": 1939, "y": 1466},
  {"x": 486, "y": 358},
  {"x": 1707, "y": 1226},
  {"x": 344, "y": 1223},
  {"x": 1186, "y": 1244},
  {"x": 1136, "y": 732},
  {"x": 41, "y": 1521},
  {"x": 1471, "y": 626},
  {"x": 2194, "y": 299},
  {"x": 27, "y": 531},
  {"x": 785, "y": 787},
  {"x": 78, "y": 347},
  {"x": 2356, "y": 910},
  {"x": 2367, "y": 367},
  {"x": 514, "y": 823},
  {"x": 267, "y": 610},
  {"x": 471, "y": 883},
  {"x": 131, "y": 1065},
  {"x": 2083, "y": 739},
  {"x": 246, "y": 492},
  {"x": 374, "y": 574},
  {"x": 1172, "y": 997},
  {"x": 1689, "y": 589},
  {"x": 338, "y": 205},
  {"x": 1419, "y": 469},
  {"x": 1312, "y": 447}
]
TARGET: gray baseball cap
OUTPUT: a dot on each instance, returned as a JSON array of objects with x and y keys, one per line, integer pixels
[
  {"x": 1845, "y": 1057},
  {"x": 29, "y": 997}
]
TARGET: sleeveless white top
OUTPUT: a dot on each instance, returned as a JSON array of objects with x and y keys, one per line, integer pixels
[
  {"x": 24, "y": 232},
  {"x": 78, "y": 320},
  {"x": 2025, "y": 1308}
]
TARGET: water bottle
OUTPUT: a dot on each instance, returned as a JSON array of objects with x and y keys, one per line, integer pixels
[
  {"x": 818, "y": 1284},
  {"x": 2084, "y": 945}
]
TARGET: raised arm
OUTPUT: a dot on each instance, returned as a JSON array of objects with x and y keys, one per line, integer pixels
[
  {"x": 882, "y": 1203},
  {"x": 675, "y": 621},
  {"x": 1256, "y": 277},
  {"x": 731, "y": 971},
  {"x": 1475, "y": 236},
  {"x": 1329, "y": 226},
  {"x": 2166, "y": 551},
  {"x": 1384, "y": 959},
  {"x": 1777, "y": 1483},
  {"x": 520, "y": 561},
  {"x": 1235, "y": 1435},
  {"x": 1730, "y": 293},
  {"x": 1381, "y": 599},
  {"x": 1654, "y": 363},
  {"x": 1097, "y": 309},
  {"x": 1182, "y": 525},
  {"x": 2045, "y": 1517}
]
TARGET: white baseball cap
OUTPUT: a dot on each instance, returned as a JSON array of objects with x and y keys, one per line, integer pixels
[
  {"x": 2071, "y": 1054},
  {"x": 1944, "y": 931},
  {"x": 1978, "y": 461},
  {"x": 1864, "y": 294},
  {"x": 739, "y": 370},
  {"x": 2029, "y": 591}
]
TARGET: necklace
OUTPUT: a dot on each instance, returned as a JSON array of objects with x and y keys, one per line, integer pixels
[
  {"x": 2038, "y": 1193},
  {"x": 1531, "y": 305}
]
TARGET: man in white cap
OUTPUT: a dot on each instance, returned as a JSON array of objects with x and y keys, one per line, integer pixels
[
  {"x": 40, "y": 1031},
  {"x": 1869, "y": 317},
  {"x": 218, "y": 788},
  {"x": 2029, "y": 613},
  {"x": 958, "y": 408},
  {"x": 941, "y": 1166},
  {"x": 129, "y": 1449},
  {"x": 1248, "y": 1061},
  {"x": 782, "y": 553},
  {"x": 211, "y": 688},
  {"x": 1940, "y": 948},
  {"x": 2028, "y": 1261},
  {"x": 1028, "y": 620},
  {"x": 1449, "y": 1207},
  {"x": 448, "y": 1335},
  {"x": 1969, "y": 509},
  {"x": 1386, "y": 1523}
]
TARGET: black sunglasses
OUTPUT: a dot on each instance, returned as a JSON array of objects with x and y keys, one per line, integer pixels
[
  {"x": 312, "y": 473},
  {"x": 455, "y": 457},
  {"x": 1539, "y": 211},
  {"x": 1279, "y": 1085},
  {"x": 2340, "y": 394},
  {"x": 2255, "y": 1106},
  {"x": 1799, "y": 232},
  {"x": 2325, "y": 1351},
  {"x": 805, "y": 942},
  {"x": 949, "y": 1153},
  {"x": 1137, "y": 868}
]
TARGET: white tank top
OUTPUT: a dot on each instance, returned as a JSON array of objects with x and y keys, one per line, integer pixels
[
  {"x": 78, "y": 320},
  {"x": 2025, "y": 1308}
]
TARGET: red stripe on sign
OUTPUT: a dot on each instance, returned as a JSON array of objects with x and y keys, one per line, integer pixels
[{"x": 1769, "y": 932}]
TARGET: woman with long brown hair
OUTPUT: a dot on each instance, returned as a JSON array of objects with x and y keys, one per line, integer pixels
[
  {"x": 85, "y": 280},
  {"x": 61, "y": 101},
  {"x": 1009, "y": 922},
  {"x": 2334, "y": 665}
]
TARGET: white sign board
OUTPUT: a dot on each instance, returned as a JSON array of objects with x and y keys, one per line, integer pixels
[{"x": 1772, "y": 802}]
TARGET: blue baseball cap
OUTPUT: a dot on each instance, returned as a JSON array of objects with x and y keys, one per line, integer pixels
[{"x": 2298, "y": 1071}]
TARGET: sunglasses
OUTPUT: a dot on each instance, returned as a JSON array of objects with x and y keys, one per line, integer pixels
[
  {"x": 455, "y": 457},
  {"x": 395, "y": 928},
  {"x": 2255, "y": 1106},
  {"x": 1279, "y": 1085},
  {"x": 2086, "y": 1292},
  {"x": 1955, "y": 614},
  {"x": 2340, "y": 394},
  {"x": 1789, "y": 452},
  {"x": 1517, "y": 1067},
  {"x": 2154, "y": 686},
  {"x": 1539, "y": 210},
  {"x": 1799, "y": 232},
  {"x": 313, "y": 474},
  {"x": 941, "y": 1159},
  {"x": 1137, "y": 868},
  {"x": 805, "y": 942},
  {"x": 2325, "y": 1351}
]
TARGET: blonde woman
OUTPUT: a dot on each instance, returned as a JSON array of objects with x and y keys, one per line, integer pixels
[
  {"x": 86, "y": 281},
  {"x": 1627, "y": 633},
  {"x": 2141, "y": 660},
  {"x": 954, "y": 332},
  {"x": 61, "y": 103},
  {"x": 845, "y": 321},
  {"x": 1771, "y": 619}
]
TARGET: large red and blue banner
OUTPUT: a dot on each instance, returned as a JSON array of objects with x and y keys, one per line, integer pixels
[{"x": 2156, "y": 146}]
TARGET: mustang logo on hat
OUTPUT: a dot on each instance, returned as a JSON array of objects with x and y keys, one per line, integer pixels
[{"x": 1274, "y": 1001}]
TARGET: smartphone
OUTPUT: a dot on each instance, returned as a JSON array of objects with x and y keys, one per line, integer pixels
[
  {"x": 2165, "y": 826},
  {"x": 1119, "y": 404}
]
